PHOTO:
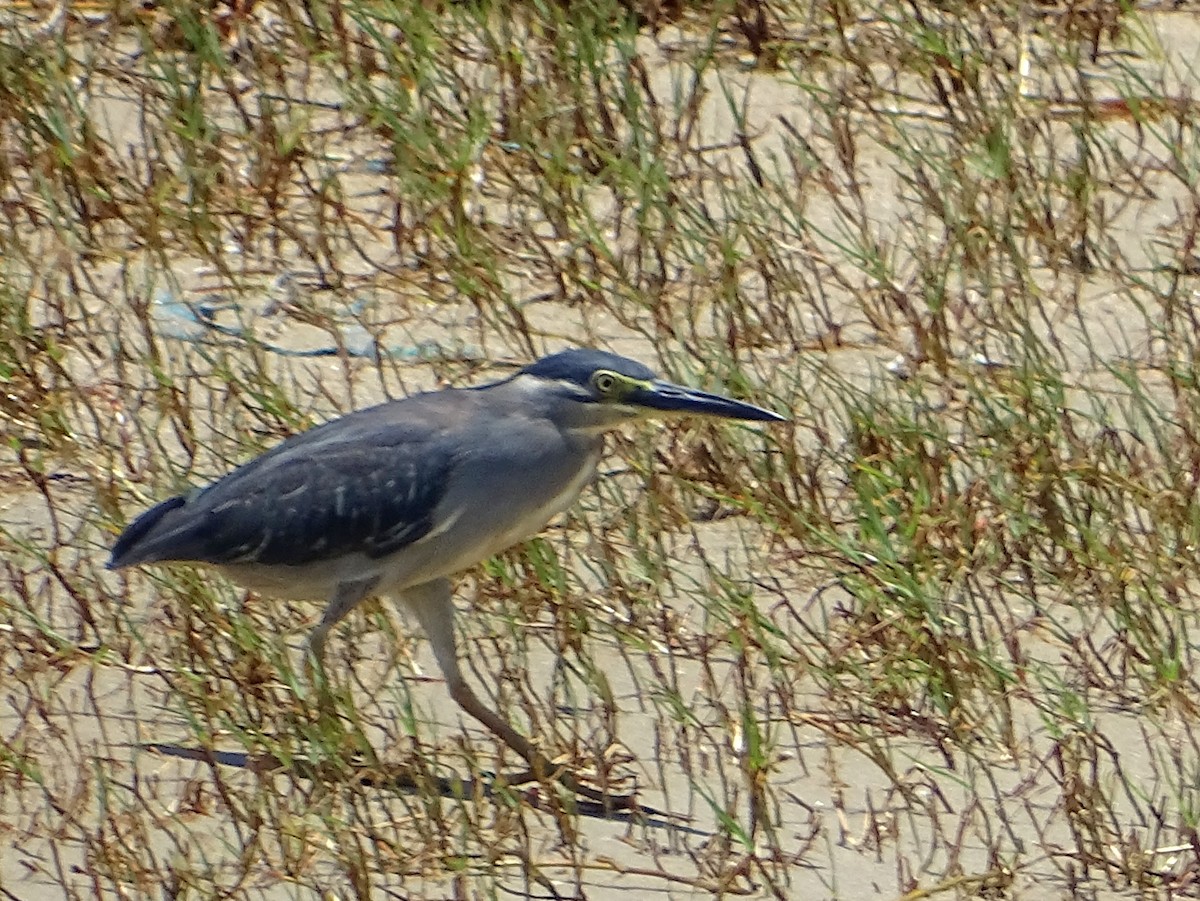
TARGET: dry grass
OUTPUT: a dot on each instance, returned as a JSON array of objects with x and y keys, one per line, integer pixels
[{"x": 934, "y": 639}]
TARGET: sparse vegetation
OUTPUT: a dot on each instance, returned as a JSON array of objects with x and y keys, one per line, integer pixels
[{"x": 935, "y": 639}]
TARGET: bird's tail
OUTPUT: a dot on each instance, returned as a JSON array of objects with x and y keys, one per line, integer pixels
[{"x": 132, "y": 548}]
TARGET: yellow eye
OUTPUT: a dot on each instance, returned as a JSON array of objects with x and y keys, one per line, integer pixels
[{"x": 605, "y": 382}]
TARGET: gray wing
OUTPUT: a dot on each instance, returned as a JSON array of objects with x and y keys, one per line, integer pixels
[{"x": 368, "y": 482}]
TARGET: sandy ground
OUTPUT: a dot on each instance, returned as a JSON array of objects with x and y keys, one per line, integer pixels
[{"x": 80, "y": 793}]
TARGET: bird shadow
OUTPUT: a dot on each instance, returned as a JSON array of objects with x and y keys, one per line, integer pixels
[{"x": 401, "y": 778}]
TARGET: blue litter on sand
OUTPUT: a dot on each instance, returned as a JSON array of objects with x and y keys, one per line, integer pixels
[{"x": 195, "y": 321}]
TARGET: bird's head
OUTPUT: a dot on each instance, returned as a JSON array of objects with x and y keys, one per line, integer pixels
[{"x": 599, "y": 390}]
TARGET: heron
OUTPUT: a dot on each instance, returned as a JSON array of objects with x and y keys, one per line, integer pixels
[{"x": 395, "y": 499}]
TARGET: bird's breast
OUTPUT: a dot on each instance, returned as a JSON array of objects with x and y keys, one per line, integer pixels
[
  {"x": 496, "y": 505},
  {"x": 547, "y": 503}
]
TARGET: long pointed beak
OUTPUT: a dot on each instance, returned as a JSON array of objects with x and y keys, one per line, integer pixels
[{"x": 671, "y": 398}]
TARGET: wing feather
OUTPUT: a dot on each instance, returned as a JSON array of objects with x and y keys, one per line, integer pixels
[{"x": 369, "y": 482}]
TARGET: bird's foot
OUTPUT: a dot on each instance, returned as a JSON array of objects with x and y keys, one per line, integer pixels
[{"x": 607, "y": 801}]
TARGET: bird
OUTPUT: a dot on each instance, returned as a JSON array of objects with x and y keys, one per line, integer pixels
[{"x": 395, "y": 499}]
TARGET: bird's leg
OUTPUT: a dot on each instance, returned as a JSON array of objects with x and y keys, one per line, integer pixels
[
  {"x": 345, "y": 598},
  {"x": 433, "y": 605}
]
